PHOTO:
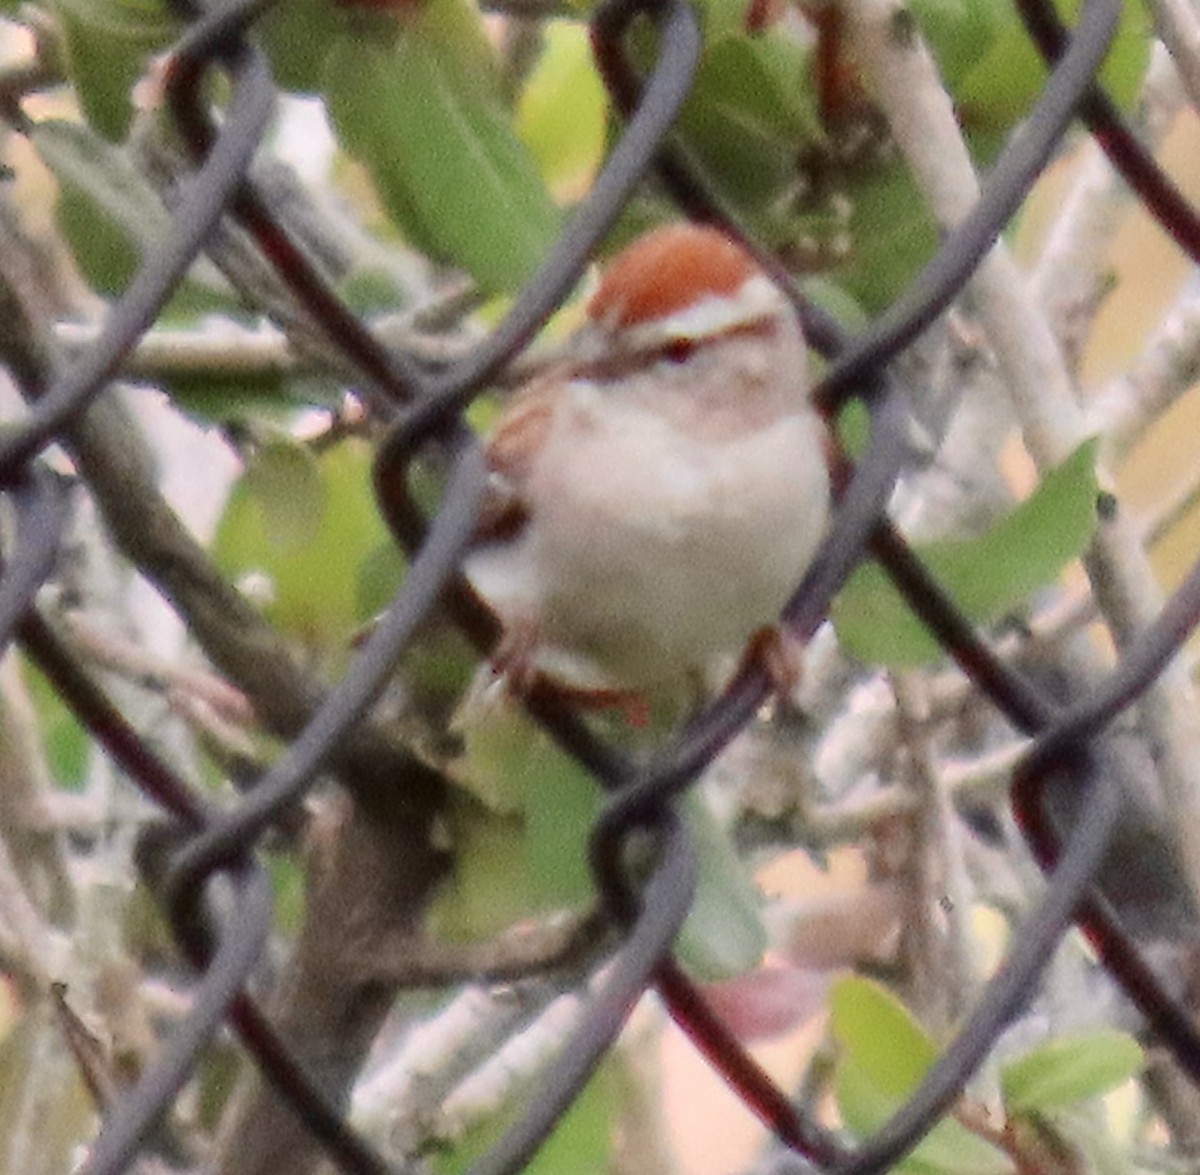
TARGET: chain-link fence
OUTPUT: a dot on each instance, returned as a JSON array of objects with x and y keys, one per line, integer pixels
[{"x": 202, "y": 863}]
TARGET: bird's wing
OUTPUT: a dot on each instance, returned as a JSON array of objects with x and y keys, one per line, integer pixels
[{"x": 511, "y": 451}]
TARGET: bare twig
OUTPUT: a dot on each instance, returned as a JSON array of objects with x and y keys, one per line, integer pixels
[
  {"x": 1169, "y": 512},
  {"x": 522, "y": 952},
  {"x": 35, "y": 952},
  {"x": 1178, "y": 24},
  {"x": 941, "y": 884},
  {"x": 464, "y": 1066},
  {"x": 154, "y": 672},
  {"x": 976, "y": 779},
  {"x": 1071, "y": 273},
  {"x": 1167, "y": 367},
  {"x": 26, "y": 790}
]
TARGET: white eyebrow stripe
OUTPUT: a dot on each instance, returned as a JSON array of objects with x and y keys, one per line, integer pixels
[{"x": 757, "y": 298}]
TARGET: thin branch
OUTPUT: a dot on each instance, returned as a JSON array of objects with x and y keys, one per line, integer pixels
[
  {"x": 431, "y": 333},
  {"x": 35, "y": 951},
  {"x": 1171, "y": 510},
  {"x": 939, "y": 868},
  {"x": 1167, "y": 367},
  {"x": 509, "y": 1070},
  {"x": 26, "y": 792},
  {"x": 227, "y": 627},
  {"x": 522, "y": 952},
  {"x": 459, "y": 1067},
  {"x": 215, "y": 351},
  {"x": 1178, "y": 24},
  {"x": 1061, "y": 620},
  {"x": 1071, "y": 274},
  {"x": 976, "y": 779},
  {"x": 153, "y": 671}
]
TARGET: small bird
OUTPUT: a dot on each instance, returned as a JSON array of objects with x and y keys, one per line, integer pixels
[{"x": 656, "y": 497}]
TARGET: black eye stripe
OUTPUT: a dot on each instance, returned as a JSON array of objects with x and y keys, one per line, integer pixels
[{"x": 679, "y": 350}]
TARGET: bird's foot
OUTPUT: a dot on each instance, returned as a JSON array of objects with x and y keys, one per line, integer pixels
[
  {"x": 779, "y": 652},
  {"x": 515, "y": 661}
]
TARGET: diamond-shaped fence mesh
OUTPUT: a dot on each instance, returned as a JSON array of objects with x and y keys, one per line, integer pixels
[{"x": 206, "y": 862}]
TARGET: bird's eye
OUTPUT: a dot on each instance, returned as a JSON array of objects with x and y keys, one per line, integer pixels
[{"x": 678, "y": 350}]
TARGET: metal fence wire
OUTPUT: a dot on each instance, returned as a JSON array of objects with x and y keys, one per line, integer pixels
[{"x": 202, "y": 863}]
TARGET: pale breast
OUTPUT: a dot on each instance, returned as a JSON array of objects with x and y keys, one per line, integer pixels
[{"x": 659, "y": 553}]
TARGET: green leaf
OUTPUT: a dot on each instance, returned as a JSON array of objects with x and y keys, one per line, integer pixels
[
  {"x": 948, "y": 1149},
  {"x": 891, "y": 234},
  {"x": 854, "y": 427},
  {"x": 960, "y": 32},
  {"x": 216, "y": 1082},
  {"x": 1069, "y": 1069},
  {"x": 509, "y": 867},
  {"x": 217, "y": 398},
  {"x": 108, "y": 44},
  {"x": 379, "y": 577},
  {"x": 520, "y": 826},
  {"x": 502, "y": 751},
  {"x": 284, "y": 479},
  {"x": 750, "y": 111},
  {"x": 722, "y": 18},
  {"x": 1127, "y": 60},
  {"x": 297, "y": 37},
  {"x": 1005, "y": 78},
  {"x": 288, "y": 882},
  {"x": 562, "y": 112},
  {"x": 368, "y": 290},
  {"x": 985, "y": 576},
  {"x": 833, "y": 297},
  {"x": 878, "y": 1033},
  {"x": 412, "y": 103},
  {"x": 559, "y": 816},
  {"x": 582, "y": 1141},
  {"x": 754, "y": 84},
  {"x": 312, "y": 588},
  {"x": 488, "y": 888},
  {"x": 105, "y": 209},
  {"x": 724, "y": 935},
  {"x": 66, "y": 744},
  {"x": 883, "y": 1054}
]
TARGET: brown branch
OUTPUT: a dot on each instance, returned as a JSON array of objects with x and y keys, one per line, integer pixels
[
  {"x": 522, "y": 952},
  {"x": 367, "y": 877}
]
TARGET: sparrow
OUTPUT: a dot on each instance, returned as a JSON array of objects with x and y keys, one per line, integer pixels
[{"x": 655, "y": 498}]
